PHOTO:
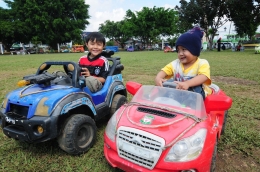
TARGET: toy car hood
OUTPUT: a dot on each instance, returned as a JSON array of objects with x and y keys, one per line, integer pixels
[
  {"x": 32, "y": 95},
  {"x": 162, "y": 110},
  {"x": 180, "y": 101}
]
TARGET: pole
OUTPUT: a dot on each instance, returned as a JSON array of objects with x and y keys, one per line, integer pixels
[
  {"x": 1, "y": 48},
  {"x": 58, "y": 47},
  {"x": 162, "y": 44},
  {"x": 229, "y": 28}
]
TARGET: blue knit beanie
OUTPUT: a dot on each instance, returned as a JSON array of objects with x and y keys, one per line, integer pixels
[{"x": 191, "y": 40}]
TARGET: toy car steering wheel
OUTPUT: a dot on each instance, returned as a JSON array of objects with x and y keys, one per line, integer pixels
[
  {"x": 169, "y": 84},
  {"x": 174, "y": 95}
]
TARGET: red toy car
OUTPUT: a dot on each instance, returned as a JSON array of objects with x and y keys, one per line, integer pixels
[{"x": 166, "y": 130}]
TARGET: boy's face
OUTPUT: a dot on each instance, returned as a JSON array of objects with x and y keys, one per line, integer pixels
[
  {"x": 94, "y": 47},
  {"x": 185, "y": 56}
]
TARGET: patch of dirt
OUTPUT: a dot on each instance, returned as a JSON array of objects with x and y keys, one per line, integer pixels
[
  {"x": 250, "y": 88},
  {"x": 232, "y": 80},
  {"x": 228, "y": 161}
]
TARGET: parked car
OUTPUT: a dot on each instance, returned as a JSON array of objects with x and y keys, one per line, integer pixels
[
  {"x": 31, "y": 50},
  {"x": 139, "y": 47},
  {"x": 149, "y": 48},
  {"x": 166, "y": 129},
  {"x": 56, "y": 104},
  {"x": 18, "y": 49}
]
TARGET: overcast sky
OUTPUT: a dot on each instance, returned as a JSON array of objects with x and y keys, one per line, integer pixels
[{"x": 115, "y": 10}]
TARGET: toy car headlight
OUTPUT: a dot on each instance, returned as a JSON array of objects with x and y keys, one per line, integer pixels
[
  {"x": 4, "y": 104},
  {"x": 22, "y": 83},
  {"x": 111, "y": 127},
  {"x": 42, "y": 109},
  {"x": 187, "y": 149}
]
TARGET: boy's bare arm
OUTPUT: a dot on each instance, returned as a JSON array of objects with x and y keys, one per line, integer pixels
[
  {"x": 159, "y": 79},
  {"x": 197, "y": 80},
  {"x": 101, "y": 79}
]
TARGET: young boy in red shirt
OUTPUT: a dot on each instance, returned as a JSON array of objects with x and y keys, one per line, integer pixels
[{"x": 94, "y": 66}]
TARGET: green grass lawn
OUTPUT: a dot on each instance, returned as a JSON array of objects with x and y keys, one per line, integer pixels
[{"x": 237, "y": 73}]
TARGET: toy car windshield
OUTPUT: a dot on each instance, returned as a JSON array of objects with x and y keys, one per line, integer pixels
[{"x": 179, "y": 100}]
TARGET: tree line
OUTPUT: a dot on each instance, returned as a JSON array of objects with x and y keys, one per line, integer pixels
[
  {"x": 44, "y": 21},
  {"x": 53, "y": 22}
]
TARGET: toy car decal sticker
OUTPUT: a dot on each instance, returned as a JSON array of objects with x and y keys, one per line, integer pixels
[
  {"x": 117, "y": 77},
  {"x": 116, "y": 88},
  {"x": 9, "y": 120},
  {"x": 147, "y": 119},
  {"x": 119, "y": 87},
  {"x": 78, "y": 102}
]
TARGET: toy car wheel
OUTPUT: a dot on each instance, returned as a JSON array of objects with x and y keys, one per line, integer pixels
[
  {"x": 117, "y": 102},
  {"x": 224, "y": 122},
  {"x": 78, "y": 135},
  {"x": 214, "y": 158}
]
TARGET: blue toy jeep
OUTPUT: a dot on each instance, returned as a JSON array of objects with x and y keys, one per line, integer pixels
[{"x": 58, "y": 106}]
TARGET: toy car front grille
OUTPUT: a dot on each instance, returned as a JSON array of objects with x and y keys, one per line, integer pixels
[
  {"x": 139, "y": 147},
  {"x": 156, "y": 112},
  {"x": 18, "y": 111}
]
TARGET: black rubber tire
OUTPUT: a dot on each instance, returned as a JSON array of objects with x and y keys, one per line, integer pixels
[
  {"x": 78, "y": 135},
  {"x": 224, "y": 122},
  {"x": 118, "y": 101},
  {"x": 214, "y": 158}
]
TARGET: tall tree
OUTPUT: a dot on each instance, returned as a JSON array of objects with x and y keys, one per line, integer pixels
[
  {"x": 246, "y": 17},
  {"x": 146, "y": 25},
  {"x": 114, "y": 31},
  {"x": 108, "y": 29},
  {"x": 11, "y": 30},
  {"x": 149, "y": 23},
  {"x": 51, "y": 21},
  {"x": 209, "y": 14}
]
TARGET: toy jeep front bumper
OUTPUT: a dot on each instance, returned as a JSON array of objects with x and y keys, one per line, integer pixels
[{"x": 28, "y": 129}]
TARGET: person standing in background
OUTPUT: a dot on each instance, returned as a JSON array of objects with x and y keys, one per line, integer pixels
[{"x": 219, "y": 44}]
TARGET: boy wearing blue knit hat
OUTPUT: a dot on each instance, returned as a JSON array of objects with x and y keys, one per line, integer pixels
[{"x": 188, "y": 71}]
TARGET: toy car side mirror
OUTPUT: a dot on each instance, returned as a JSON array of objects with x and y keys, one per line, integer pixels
[
  {"x": 217, "y": 103},
  {"x": 132, "y": 87}
]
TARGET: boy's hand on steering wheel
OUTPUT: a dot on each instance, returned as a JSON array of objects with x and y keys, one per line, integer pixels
[
  {"x": 85, "y": 72},
  {"x": 159, "y": 81},
  {"x": 181, "y": 85}
]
